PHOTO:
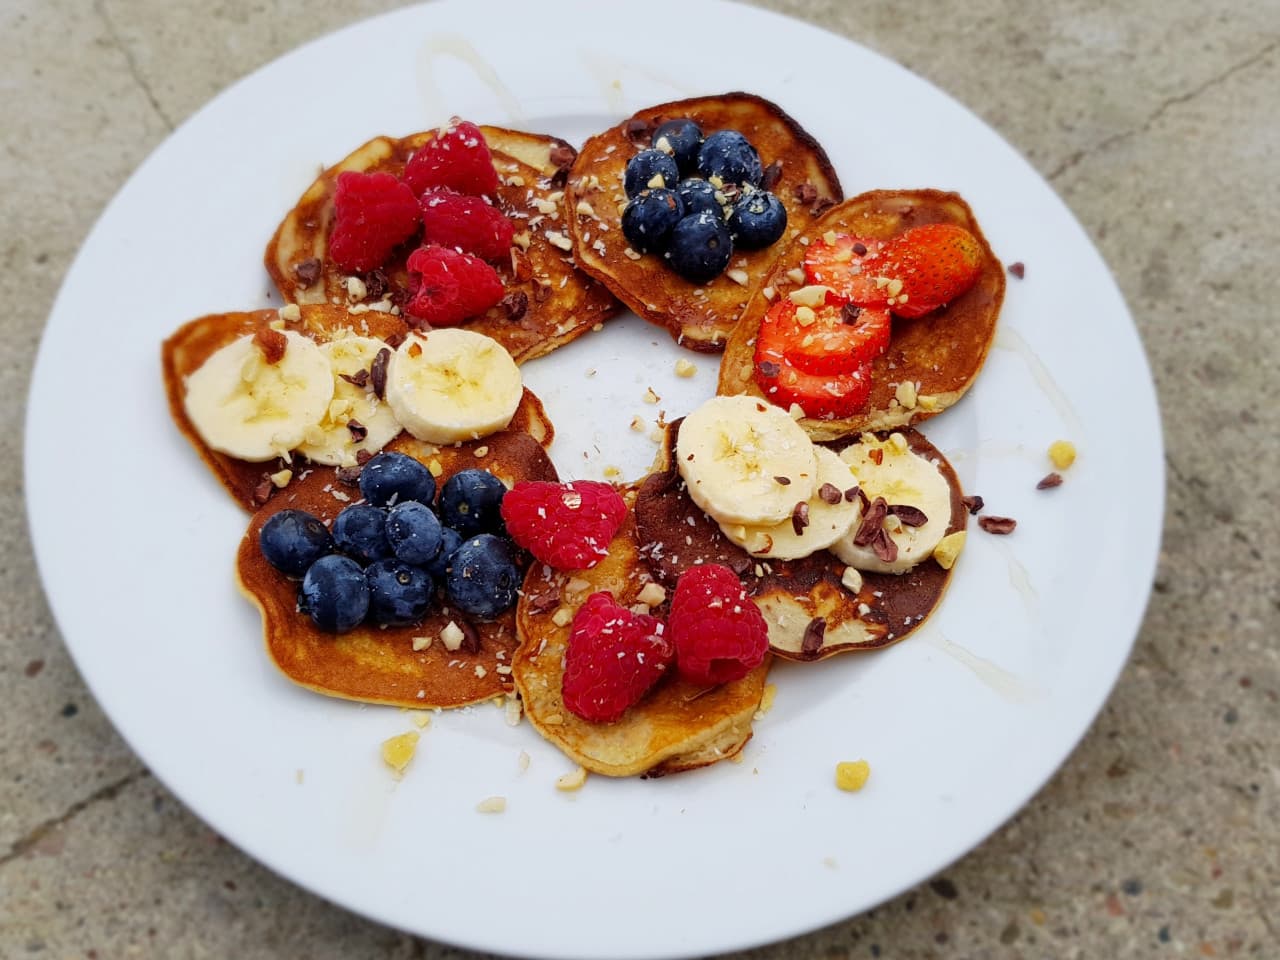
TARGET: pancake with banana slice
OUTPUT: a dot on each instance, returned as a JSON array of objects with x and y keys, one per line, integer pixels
[
  {"x": 931, "y": 360},
  {"x": 677, "y": 726},
  {"x": 547, "y": 302},
  {"x": 422, "y": 665},
  {"x": 814, "y": 606},
  {"x": 699, "y": 316},
  {"x": 259, "y": 425}
]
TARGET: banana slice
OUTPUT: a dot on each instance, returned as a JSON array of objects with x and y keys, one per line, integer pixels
[
  {"x": 332, "y": 441},
  {"x": 253, "y": 410},
  {"x": 453, "y": 385},
  {"x": 902, "y": 478},
  {"x": 827, "y": 516},
  {"x": 745, "y": 461}
]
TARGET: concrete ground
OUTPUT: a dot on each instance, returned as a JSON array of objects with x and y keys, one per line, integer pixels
[{"x": 1156, "y": 121}]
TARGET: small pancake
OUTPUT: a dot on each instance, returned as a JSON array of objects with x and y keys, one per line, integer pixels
[
  {"x": 940, "y": 352},
  {"x": 378, "y": 664},
  {"x": 192, "y": 343},
  {"x": 562, "y": 303},
  {"x": 677, "y": 726},
  {"x": 675, "y": 534},
  {"x": 698, "y": 316}
]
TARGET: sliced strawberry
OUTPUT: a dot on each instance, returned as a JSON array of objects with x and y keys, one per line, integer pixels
[
  {"x": 849, "y": 266},
  {"x": 935, "y": 263},
  {"x": 822, "y": 396},
  {"x": 838, "y": 339}
]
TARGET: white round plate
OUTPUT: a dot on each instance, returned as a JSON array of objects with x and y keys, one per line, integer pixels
[{"x": 961, "y": 723}]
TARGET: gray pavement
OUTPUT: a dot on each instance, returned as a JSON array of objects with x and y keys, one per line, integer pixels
[{"x": 1155, "y": 121}]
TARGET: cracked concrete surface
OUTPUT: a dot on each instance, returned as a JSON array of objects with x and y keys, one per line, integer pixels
[{"x": 1161, "y": 834}]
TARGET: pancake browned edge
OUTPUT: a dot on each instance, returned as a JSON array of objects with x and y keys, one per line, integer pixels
[
  {"x": 378, "y": 664},
  {"x": 677, "y": 726},
  {"x": 811, "y": 615},
  {"x": 940, "y": 353},
  {"x": 547, "y": 304},
  {"x": 698, "y": 316},
  {"x": 193, "y": 343}
]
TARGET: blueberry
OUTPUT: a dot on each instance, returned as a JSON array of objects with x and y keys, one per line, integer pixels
[
  {"x": 649, "y": 217},
  {"x": 644, "y": 166},
  {"x": 414, "y": 532},
  {"x": 683, "y": 138},
  {"x": 360, "y": 531},
  {"x": 391, "y": 478},
  {"x": 399, "y": 594},
  {"x": 470, "y": 502},
  {"x": 727, "y": 154},
  {"x": 700, "y": 247},
  {"x": 484, "y": 580},
  {"x": 439, "y": 567},
  {"x": 698, "y": 195},
  {"x": 758, "y": 219},
  {"x": 292, "y": 540},
  {"x": 334, "y": 593}
]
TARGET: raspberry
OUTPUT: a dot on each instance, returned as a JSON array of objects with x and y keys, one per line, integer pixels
[
  {"x": 456, "y": 157},
  {"x": 451, "y": 286},
  {"x": 452, "y": 219},
  {"x": 373, "y": 214},
  {"x": 565, "y": 525},
  {"x": 719, "y": 633},
  {"x": 614, "y": 657}
]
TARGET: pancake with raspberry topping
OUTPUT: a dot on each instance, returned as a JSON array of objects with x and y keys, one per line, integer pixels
[
  {"x": 810, "y": 611},
  {"x": 676, "y": 726},
  {"x": 250, "y": 484},
  {"x": 547, "y": 302},
  {"x": 698, "y": 316},
  {"x": 938, "y": 354},
  {"x": 378, "y": 664}
]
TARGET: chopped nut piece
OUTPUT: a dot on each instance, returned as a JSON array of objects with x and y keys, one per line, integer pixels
[
  {"x": 795, "y": 411},
  {"x": 513, "y": 710},
  {"x": 949, "y": 548},
  {"x": 998, "y": 525},
  {"x": 585, "y": 209},
  {"x": 572, "y": 780},
  {"x": 481, "y": 452},
  {"x": 290, "y": 311},
  {"x": 356, "y": 289},
  {"x": 630, "y": 254},
  {"x": 562, "y": 617},
  {"x": 451, "y": 636},
  {"x": 795, "y": 275},
  {"x": 852, "y": 579},
  {"x": 852, "y": 775},
  {"x": 637, "y": 423},
  {"x": 652, "y": 594},
  {"x": 906, "y": 394},
  {"x": 492, "y": 805},
  {"x": 1062, "y": 453},
  {"x": 544, "y": 206},
  {"x": 522, "y": 761},
  {"x": 685, "y": 368},
  {"x": 1047, "y": 482},
  {"x": 522, "y": 239},
  {"x": 559, "y": 240},
  {"x": 740, "y": 277},
  {"x": 805, "y": 316},
  {"x": 898, "y": 443},
  {"x": 650, "y": 396},
  {"x": 398, "y": 751},
  {"x": 436, "y": 468},
  {"x": 421, "y": 719},
  {"x": 281, "y": 478},
  {"x": 814, "y": 295},
  {"x": 769, "y": 292}
]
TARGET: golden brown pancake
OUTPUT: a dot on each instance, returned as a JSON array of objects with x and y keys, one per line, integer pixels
[
  {"x": 940, "y": 352},
  {"x": 698, "y": 316},
  {"x": 675, "y": 534},
  {"x": 560, "y": 303},
  {"x": 193, "y": 343},
  {"x": 677, "y": 726},
  {"x": 378, "y": 664}
]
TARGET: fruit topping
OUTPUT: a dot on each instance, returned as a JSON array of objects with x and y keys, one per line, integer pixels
[
  {"x": 613, "y": 658},
  {"x": 848, "y": 265},
  {"x": 649, "y": 218},
  {"x": 391, "y": 478},
  {"x": 828, "y": 338},
  {"x": 644, "y": 166},
  {"x": 471, "y": 502},
  {"x": 456, "y": 157},
  {"x": 334, "y": 593},
  {"x": 718, "y": 631},
  {"x": 700, "y": 247},
  {"x": 373, "y": 213},
  {"x": 565, "y": 525},
  {"x": 414, "y": 532},
  {"x": 450, "y": 286},
  {"x": 483, "y": 579},
  {"x": 681, "y": 139},
  {"x": 467, "y": 224},
  {"x": 450, "y": 541},
  {"x": 699, "y": 195},
  {"x": 356, "y": 419},
  {"x": 822, "y": 396},
  {"x": 727, "y": 154},
  {"x": 399, "y": 593},
  {"x": 758, "y": 220},
  {"x": 360, "y": 531},
  {"x": 292, "y": 540}
]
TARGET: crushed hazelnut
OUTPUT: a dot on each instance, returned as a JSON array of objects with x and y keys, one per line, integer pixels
[
  {"x": 572, "y": 780},
  {"x": 685, "y": 368}
]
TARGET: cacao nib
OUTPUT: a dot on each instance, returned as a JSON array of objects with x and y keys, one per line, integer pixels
[
  {"x": 307, "y": 272},
  {"x": 998, "y": 525}
]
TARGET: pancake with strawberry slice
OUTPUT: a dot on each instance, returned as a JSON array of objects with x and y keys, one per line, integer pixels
[
  {"x": 937, "y": 339},
  {"x": 544, "y": 303}
]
